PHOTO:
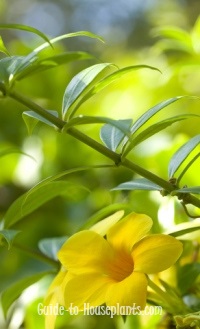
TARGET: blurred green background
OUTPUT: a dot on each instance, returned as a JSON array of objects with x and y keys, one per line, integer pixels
[{"x": 130, "y": 30}]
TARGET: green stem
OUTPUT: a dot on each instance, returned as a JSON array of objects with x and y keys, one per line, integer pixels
[
  {"x": 36, "y": 254},
  {"x": 115, "y": 157}
]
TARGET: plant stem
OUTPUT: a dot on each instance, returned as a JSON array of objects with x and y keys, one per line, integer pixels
[{"x": 115, "y": 157}]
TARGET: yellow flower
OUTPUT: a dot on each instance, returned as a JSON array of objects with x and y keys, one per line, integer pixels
[{"x": 113, "y": 269}]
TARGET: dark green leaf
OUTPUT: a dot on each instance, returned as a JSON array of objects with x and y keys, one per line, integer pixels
[
  {"x": 180, "y": 232},
  {"x": 112, "y": 136},
  {"x": 31, "y": 118},
  {"x": 79, "y": 84},
  {"x": 51, "y": 246},
  {"x": 138, "y": 184},
  {"x": 80, "y": 120},
  {"x": 29, "y": 202},
  {"x": 187, "y": 275},
  {"x": 14, "y": 291},
  {"x": 152, "y": 130},
  {"x": 182, "y": 153},
  {"x": 25, "y": 28},
  {"x": 8, "y": 237},
  {"x": 111, "y": 78}
]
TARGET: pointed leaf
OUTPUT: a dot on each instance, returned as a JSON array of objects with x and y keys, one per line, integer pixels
[
  {"x": 33, "y": 56},
  {"x": 138, "y": 184},
  {"x": 193, "y": 190},
  {"x": 182, "y": 153},
  {"x": 31, "y": 118},
  {"x": 51, "y": 246},
  {"x": 14, "y": 291},
  {"x": 3, "y": 48},
  {"x": 80, "y": 120},
  {"x": 179, "y": 35},
  {"x": 79, "y": 83},
  {"x": 12, "y": 150},
  {"x": 152, "y": 130},
  {"x": 111, "y": 78},
  {"x": 29, "y": 202},
  {"x": 50, "y": 62},
  {"x": 25, "y": 28},
  {"x": 182, "y": 230},
  {"x": 187, "y": 275},
  {"x": 8, "y": 236},
  {"x": 151, "y": 112},
  {"x": 111, "y": 136}
]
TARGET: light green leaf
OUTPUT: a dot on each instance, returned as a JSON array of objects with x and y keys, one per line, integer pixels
[
  {"x": 151, "y": 112},
  {"x": 12, "y": 150},
  {"x": 79, "y": 84},
  {"x": 14, "y": 291},
  {"x": 152, "y": 130},
  {"x": 111, "y": 78},
  {"x": 181, "y": 36},
  {"x": 25, "y": 28},
  {"x": 51, "y": 246},
  {"x": 31, "y": 119},
  {"x": 182, "y": 153},
  {"x": 8, "y": 237},
  {"x": 3, "y": 48},
  {"x": 112, "y": 136},
  {"x": 29, "y": 202},
  {"x": 40, "y": 65},
  {"x": 80, "y": 120},
  {"x": 193, "y": 190},
  {"x": 138, "y": 184},
  {"x": 33, "y": 56}
]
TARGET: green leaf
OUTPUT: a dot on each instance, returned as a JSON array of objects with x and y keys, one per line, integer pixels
[
  {"x": 182, "y": 153},
  {"x": 40, "y": 65},
  {"x": 79, "y": 84},
  {"x": 51, "y": 246},
  {"x": 3, "y": 48},
  {"x": 138, "y": 184},
  {"x": 14, "y": 291},
  {"x": 12, "y": 150},
  {"x": 112, "y": 136},
  {"x": 27, "y": 29},
  {"x": 176, "y": 34},
  {"x": 8, "y": 236},
  {"x": 193, "y": 190},
  {"x": 29, "y": 202},
  {"x": 187, "y": 275},
  {"x": 33, "y": 56},
  {"x": 31, "y": 119},
  {"x": 152, "y": 130},
  {"x": 80, "y": 120},
  {"x": 111, "y": 78},
  {"x": 103, "y": 213},
  {"x": 152, "y": 111}
]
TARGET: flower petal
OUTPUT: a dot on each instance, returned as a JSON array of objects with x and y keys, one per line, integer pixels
[
  {"x": 155, "y": 253},
  {"x": 131, "y": 291},
  {"x": 86, "y": 290},
  {"x": 85, "y": 251},
  {"x": 129, "y": 230},
  {"x": 103, "y": 226}
]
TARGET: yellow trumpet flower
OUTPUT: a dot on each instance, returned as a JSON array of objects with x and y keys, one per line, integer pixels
[{"x": 113, "y": 268}]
